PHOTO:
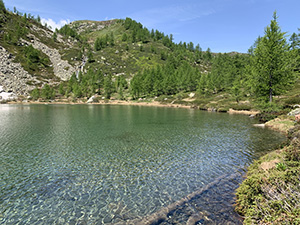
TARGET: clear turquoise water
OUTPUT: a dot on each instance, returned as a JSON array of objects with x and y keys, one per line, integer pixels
[{"x": 93, "y": 164}]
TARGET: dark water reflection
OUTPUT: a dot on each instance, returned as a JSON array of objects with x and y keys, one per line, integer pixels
[{"x": 87, "y": 164}]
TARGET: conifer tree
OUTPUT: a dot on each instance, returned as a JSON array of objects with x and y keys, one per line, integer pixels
[
  {"x": 273, "y": 70},
  {"x": 108, "y": 86},
  {"x": 295, "y": 41},
  {"x": 2, "y": 6}
]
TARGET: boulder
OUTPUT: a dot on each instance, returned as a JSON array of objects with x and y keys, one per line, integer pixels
[
  {"x": 192, "y": 95},
  {"x": 294, "y": 112},
  {"x": 91, "y": 99}
]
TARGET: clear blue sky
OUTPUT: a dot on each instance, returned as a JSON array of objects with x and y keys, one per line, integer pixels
[{"x": 221, "y": 25}]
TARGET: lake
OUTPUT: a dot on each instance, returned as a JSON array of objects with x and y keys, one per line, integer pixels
[{"x": 102, "y": 164}]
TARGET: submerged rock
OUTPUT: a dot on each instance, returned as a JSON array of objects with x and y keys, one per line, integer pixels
[{"x": 262, "y": 125}]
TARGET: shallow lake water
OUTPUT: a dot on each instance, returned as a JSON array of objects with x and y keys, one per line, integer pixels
[{"x": 101, "y": 164}]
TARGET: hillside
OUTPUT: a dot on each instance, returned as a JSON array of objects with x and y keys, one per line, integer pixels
[
  {"x": 29, "y": 55},
  {"x": 121, "y": 59},
  {"x": 37, "y": 56}
]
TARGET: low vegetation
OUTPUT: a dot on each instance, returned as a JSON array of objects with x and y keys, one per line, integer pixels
[{"x": 271, "y": 192}]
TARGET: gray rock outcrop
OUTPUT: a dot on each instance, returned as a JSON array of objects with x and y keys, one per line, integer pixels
[
  {"x": 13, "y": 77},
  {"x": 61, "y": 68}
]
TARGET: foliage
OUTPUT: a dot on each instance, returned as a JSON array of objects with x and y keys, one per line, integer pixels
[
  {"x": 292, "y": 100},
  {"x": 2, "y": 6},
  {"x": 295, "y": 41},
  {"x": 35, "y": 94},
  {"x": 166, "y": 80},
  {"x": 273, "y": 70},
  {"x": 47, "y": 92},
  {"x": 108, "y": 86},
  {"x": 268, "y": 111},
  {"x": 102, "y": 42},
  {"x": 32, "y": 54},
  {"x": 66, "y": 30},
  {"x": 85, "y": 85},
  {"x": 272, "y": 196},
  {"x": 292, "y": 152},
  {"x": 34, "y": 59}
]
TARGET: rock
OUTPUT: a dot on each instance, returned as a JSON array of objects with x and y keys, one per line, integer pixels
[
  {"x": 195, "y": 219},
  {"x": 8, "y": 96},
  {"x": 192, "y": 95},
  {"x": 12, "y": 75},
  {"x": 259, "y": 125},
  {"x": 59, "y": 65},
  {"x": 91, "y": 99},
  {"x": 294, "y": 112}
]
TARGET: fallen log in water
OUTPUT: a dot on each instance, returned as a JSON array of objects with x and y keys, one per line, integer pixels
[{"x": 162, "y": 215}]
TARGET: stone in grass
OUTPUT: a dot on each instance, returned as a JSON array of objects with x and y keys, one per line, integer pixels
[
  {"x": 294, "y": 112},
  {"x": 91, "y": 99}
]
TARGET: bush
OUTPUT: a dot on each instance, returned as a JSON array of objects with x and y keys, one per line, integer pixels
[
  {"x": 241, "y": 107},
  {"x": 292, "y": 152},
  {"x": 35, "y": 94},
  {"x": 47, "y": 92},
  {"x": 223, "y": 110},
  {"x": 293, "y": 100}
]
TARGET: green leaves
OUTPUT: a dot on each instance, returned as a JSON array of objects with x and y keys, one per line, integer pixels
[{"x": 272, "y": 63}]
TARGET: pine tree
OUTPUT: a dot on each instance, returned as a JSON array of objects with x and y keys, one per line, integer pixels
[
  {"x": 295, "y": 41},
  {"x": 54, "y": 36},
  {"x": 273, "y": 70},
  {"x": 2, "y": 6},
  {"x": 108, "y": 86}
]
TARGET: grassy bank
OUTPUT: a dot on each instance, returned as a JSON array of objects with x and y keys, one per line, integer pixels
[{"x": 271, "y": 192}]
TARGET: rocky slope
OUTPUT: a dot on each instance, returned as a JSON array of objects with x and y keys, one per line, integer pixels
[
  {"x": 16, "y": 78},
  {"x": 13, "y": 77},
  {"x": 61, "y": 68}
]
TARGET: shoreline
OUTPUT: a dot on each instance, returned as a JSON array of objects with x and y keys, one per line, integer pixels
[
  {"x": 135, "y": 103},
  {"x": 270, "y": 182},
  {"x": 110, "y": 102}
]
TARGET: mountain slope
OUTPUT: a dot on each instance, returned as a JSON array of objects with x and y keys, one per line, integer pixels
[{"x": 30, "y": 56}]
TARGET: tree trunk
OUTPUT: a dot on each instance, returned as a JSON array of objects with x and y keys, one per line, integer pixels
[{"x": 270, "y": 88}]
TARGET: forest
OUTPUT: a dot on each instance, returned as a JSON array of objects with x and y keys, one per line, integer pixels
[
  {"x": 157, "y": 66},
  {"x": 268, "y": 69}
]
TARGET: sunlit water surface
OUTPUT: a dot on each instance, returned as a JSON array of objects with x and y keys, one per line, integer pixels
[{"x": 93, "y": 164}]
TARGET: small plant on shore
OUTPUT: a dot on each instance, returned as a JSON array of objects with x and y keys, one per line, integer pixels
[{"x": 281, "y": 166}]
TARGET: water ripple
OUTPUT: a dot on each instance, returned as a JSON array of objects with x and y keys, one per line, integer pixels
[{"x": 116, "y": 164}]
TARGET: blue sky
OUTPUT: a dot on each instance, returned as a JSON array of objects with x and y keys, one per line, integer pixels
[{"x": 221, "y": 25}]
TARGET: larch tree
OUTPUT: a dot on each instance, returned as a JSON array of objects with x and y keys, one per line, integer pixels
[{"x": 273, "y": 70}]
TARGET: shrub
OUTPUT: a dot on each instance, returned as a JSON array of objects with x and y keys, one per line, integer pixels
[
  {"x": 292, "y": 152},
  {"x": 35, "y": 94},
  {"x": 293, "y": 100},
  {"x": 241, "y": 107}
]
